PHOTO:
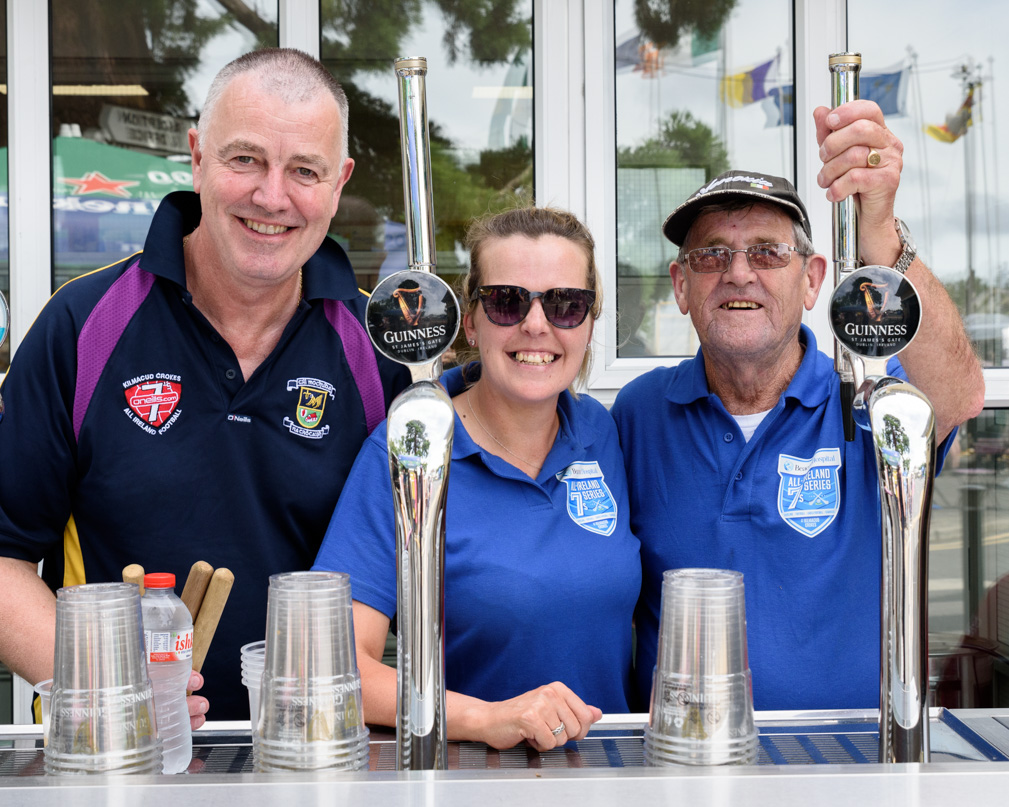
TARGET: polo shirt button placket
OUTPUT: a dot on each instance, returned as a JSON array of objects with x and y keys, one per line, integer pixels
[{"x": 230, "y": 374}]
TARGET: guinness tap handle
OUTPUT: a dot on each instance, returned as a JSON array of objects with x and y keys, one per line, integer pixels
[{"x": 844, "y": 70}]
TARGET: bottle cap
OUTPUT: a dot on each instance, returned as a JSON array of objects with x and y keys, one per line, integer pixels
[{"x": 159, "y": 580}]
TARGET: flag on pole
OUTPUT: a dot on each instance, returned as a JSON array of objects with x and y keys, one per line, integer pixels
[
  {"x": 779, "y": 106},
  {"x": 744, "y": 88},
  {"x": 639, "y": 54},
  {"x": 956, "y": 125},
  {"x": 888, "y": 90},
  {"x": 704, "y": 49}
]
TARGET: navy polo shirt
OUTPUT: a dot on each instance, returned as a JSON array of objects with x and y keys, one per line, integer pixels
[{"x": 130, "y": 435}]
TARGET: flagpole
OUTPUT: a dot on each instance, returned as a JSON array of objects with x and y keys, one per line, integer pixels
[
  {"x": 919, "y": 125},
  {"x": 968, "y": 167},
  {"x": 996, "y": 286}
]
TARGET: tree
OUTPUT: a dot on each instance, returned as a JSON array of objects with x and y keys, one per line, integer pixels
[
  {"x": 664, "y": 21},
  {"x": 683, "y": 142}
]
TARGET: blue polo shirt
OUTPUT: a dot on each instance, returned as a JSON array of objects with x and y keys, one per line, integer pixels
[
  {"x": 795, "y": 509},
  {"x": 130, "y": 435},
  {"x": 541, "y": 576}
]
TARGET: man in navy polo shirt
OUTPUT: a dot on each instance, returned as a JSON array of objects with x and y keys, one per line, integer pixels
[
  {"x": 705, "y": 441},
  {"x": 203, "y": 399}
]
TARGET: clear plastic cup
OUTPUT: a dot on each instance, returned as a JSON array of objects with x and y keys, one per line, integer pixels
[
  {"x": 702, "y": 696},
  {"x": 43, "y": 689},
  {"x": 253, "y": 660},
  {"x": 309, "y": 714},
  {"x": 101, "y": 708}
]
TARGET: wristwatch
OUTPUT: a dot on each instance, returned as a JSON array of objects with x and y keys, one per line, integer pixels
[{"x": 908, "y": 248}]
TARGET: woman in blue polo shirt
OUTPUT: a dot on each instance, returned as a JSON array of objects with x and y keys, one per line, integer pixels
[{"x": 541, "y": 570}]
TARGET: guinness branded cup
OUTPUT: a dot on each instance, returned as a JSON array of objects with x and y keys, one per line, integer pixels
[
  {"x": 101, "y": 702},
  {"x": 702, "y": 699},
  {"x": 310, "y": 713}
]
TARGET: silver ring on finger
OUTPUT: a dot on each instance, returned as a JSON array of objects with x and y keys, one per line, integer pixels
[{"x": 557, "y": 732}]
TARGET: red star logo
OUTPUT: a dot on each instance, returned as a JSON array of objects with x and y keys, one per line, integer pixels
[{"x": 97, "y": 182}]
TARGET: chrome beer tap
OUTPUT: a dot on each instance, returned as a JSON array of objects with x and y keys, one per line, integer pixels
[
  {"x": 413, "y": 317},
  {"x": 874, "y": 314}
]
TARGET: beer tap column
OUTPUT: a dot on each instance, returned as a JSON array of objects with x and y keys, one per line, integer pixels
[
  {"x": 875, "y": 312},
  {"x": 413, "y": 318},
  {"x": 844, "y": 70}
]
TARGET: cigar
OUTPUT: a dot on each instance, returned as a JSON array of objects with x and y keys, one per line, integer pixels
[
  {"x": 134, "y": 573},
  {"x": 210, "y": 614},
  {"x": 196, "y": 587}
]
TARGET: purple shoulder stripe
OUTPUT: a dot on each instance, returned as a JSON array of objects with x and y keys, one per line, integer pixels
[
  {"x": 101, "y": 332},
  {"x": 361, "y": 358}
]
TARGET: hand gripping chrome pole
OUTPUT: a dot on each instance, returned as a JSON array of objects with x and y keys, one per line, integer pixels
[{"x": 874, "y": 314}]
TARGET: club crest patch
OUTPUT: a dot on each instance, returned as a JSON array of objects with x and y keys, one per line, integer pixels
[
  {"x": 590, "y": 503},
  {"x": 312, "y": 394},
  {"x": 152, "y": 401},
  {"x": 809, "y": 495}
]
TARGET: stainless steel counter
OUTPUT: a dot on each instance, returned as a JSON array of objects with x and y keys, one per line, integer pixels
[{"x": 805, "y": 758}]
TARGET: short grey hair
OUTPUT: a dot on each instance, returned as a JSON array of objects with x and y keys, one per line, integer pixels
[
  {"x": 286, "y": 72},
  {"x": 803, "y": 243}
]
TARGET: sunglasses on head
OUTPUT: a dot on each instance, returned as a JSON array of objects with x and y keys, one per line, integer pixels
[{"x": 509, "y": 305}]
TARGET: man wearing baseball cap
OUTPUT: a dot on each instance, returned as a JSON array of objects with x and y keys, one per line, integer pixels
[{"x": 710, "y": 443}]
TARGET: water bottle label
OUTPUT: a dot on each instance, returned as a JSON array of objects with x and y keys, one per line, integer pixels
[{"x": 168, "y": 645}]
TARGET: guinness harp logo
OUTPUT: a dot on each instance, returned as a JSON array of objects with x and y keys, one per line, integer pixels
[{"x": 411, "y": 301}]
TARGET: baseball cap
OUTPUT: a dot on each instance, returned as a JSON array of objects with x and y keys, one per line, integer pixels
[{"x": 759, "y": 188}]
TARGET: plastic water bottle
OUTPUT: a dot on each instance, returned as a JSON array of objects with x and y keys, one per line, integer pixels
[{"x": 168, "y": 635}]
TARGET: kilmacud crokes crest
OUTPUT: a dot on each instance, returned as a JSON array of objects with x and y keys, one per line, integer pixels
[
  {"x": 312, "y": 394},
  {"x": 590, "y": 503},
  {"x": 809, "y": 495},
  {"x": 152, "y": 401}
]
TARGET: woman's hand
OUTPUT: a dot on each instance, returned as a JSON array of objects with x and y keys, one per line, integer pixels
[{"x": 533, "y": 716}]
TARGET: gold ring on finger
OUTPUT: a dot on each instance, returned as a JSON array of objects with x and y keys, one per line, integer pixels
[{"x": 873, "y": 159}]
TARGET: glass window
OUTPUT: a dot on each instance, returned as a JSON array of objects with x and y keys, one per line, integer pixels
[
  {"x": 936, "y": 85},
  {"x": 696, "y": 95},
  {"x": 479, "y": 99},
  {"x": 968, "y": 603},
  {"x": 129, "y": 78},
  {"x": 942, "y": 101},
  {"x": 5, "y": 278}
]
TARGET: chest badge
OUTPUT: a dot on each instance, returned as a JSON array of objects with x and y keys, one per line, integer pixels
[
  {"x": 590, "y": 503},
  {"x": 312, "y": 394},
  {"x": 152, "y": 401},
  {"x": 809, "y": 494}
]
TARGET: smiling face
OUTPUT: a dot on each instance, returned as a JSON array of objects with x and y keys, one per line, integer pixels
[
  {"x": 532, "y": 361},
  {"x": 269, "y": 178},
  {"x": 743, "y": 314}
]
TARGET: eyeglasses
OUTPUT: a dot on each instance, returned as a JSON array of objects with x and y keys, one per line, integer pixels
[
  {"x": 759, "y": 256},
  {"x": 509, "y": 305}
]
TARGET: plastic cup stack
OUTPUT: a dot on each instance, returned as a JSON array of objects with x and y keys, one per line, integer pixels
[
  {"x": 702, "y": 696},
  {"x": 101, "y": 702},
  {"x": 310, "y": 714},
  {"x": 253, "y": 659}
]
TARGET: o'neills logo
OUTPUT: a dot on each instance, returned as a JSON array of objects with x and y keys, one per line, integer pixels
[{"x": 414, "y": 334}]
